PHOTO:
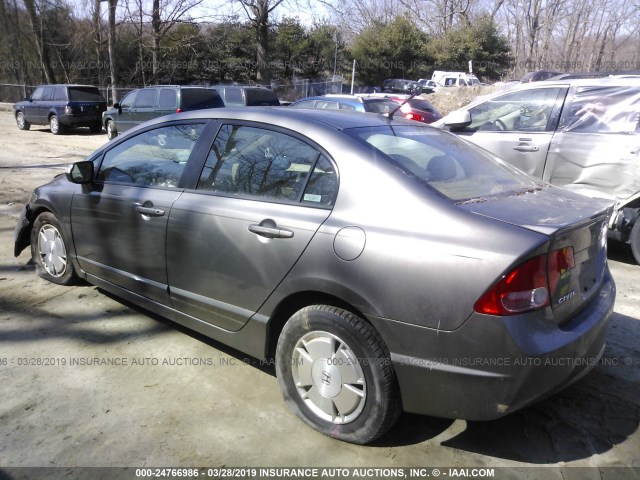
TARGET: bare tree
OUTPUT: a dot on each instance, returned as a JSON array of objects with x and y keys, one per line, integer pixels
[
  {"x": 36, "y": 19},
  {"x": 258, "y": 13}
]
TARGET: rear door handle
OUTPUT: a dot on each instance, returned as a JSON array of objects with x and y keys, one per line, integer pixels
[
  {"x": 270, "y": 232},
  {"x": 150, "y": 211},
  {"x": 526, "y": 148}
]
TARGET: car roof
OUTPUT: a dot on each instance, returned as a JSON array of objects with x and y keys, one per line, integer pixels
[
  {"x": 290, "y": 117},
  {"x": 568, "y": 82}
]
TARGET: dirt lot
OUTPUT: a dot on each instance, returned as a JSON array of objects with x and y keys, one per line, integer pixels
[{"x": 178, "y": 399}]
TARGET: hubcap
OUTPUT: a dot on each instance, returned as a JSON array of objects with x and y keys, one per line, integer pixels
[
  {"x": 328, "y": 377},
  {"x": 110, "y": 130},
  {"x": 53, "y": 253},
  {"x": 53, "y": 124},
  {"x": 20, "y": 120}
]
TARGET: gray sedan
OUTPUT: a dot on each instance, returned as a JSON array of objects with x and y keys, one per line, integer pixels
[{"x": 383, "y": 264}]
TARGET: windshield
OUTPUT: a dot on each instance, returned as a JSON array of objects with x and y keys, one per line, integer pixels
[{"x": 454, "y": 168}]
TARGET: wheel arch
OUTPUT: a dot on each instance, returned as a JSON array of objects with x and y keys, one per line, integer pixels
[{"x": 295, "y": 302}]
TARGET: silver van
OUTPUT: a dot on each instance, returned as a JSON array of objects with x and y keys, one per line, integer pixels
[{"x": 581, "y": 134}]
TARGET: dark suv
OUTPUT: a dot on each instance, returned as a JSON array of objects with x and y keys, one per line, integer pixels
[
  {"x": 62, "y": 107},
  {"x": 144, "y": 104}
]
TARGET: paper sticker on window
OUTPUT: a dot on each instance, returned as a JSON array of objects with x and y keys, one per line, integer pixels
[{"x": 309, "y": 197}]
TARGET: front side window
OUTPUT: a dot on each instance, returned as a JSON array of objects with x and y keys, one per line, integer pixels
[
  {"x": 37, "y": 94},
  {"x": 255, "y": 162},
  {"x": 524, "y": 111},
  {"x": 127, "y": 102},
  {"x": 454, "y": 168},
  {"x": 153, "y": 158}
]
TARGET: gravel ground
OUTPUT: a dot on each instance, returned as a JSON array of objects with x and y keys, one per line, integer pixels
[{"x": 174, "y": 398}]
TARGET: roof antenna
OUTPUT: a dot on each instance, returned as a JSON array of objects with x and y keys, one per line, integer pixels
[{"x": 414, "y": 93}]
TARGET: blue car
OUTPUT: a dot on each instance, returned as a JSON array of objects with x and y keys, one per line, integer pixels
[{"x": 347, "y": 102}]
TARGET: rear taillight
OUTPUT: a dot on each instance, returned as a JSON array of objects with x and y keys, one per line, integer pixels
[
  {"x": 414, "y": 116},
  {"x": 526, "y": 287},
  {"x": 68, "y": 110},
  {"x": 178, "y": 110}
]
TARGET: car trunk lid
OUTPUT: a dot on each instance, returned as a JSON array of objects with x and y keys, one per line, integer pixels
[{"x": 576, "y": 226}]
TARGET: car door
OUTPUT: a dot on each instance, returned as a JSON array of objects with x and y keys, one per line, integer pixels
[
  {"x": 260, "y": 198},
  {"x": 125, "y": 114},
  {"x": 518, "y": 126},
  {"x": 119, "y": 221},
  {"x": 144, "y": 107},
  {"x": 44, "y": 104},
  {"x": 31, "y": 107}
]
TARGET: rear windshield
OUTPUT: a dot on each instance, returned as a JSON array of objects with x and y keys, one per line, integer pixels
[
  {"x": 261, "y": 97},
  {"x": 380, "y": 106},
  {"x": 85, "y": 94},
  {"x": 198, "y": 98},
  {"x": 421, "y": 104},
  {"x": 454, "y": 168}
]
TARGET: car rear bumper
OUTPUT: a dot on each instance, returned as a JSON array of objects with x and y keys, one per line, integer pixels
[
  {"x": 80, "y": 120},
  {"x": 491, "y": 366}
]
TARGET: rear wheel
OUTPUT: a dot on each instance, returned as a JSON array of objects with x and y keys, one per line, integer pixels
[
  {"x": 49, "y": 250},
  {"x": 54, "y": 125},
  {"x": 335, "y": 374},
  {"x": 22, "y": 121},
  {"x": 634, "y": 240},
  {"x": 112, "y": 131}
]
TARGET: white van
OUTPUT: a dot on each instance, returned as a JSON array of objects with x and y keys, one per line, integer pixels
[{"x": 454, "y": 79}]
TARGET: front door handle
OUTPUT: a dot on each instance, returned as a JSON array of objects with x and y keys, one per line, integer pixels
[
  {"x": 150, "y": 211},
  {"x": 526, "y": 148},
  {"x": 270, "y": 232}
]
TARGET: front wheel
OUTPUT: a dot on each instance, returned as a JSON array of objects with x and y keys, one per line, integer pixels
[
  {"x": 49, "y": 250},
  {"x": 634, "y": 240},
  {"x": 335, "y": 374},
  {"x": 112, "y": 131},
  {"x": 22, "y": 121}
]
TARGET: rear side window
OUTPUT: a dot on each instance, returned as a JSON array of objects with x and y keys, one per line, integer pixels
[
  {"x": 254, "y": 162},
  {"x": 261, "y": 97},
  {"x": 304, "y": 104},
  {"x": 455, "y": 169},
  {"x": 198, "y": 98},
  {"x": 154, "y": 158},
  {"x": 167, "y": 98},
  {"x": 602, "y": 110},
  {"x": 232, "y": 96},
  {"x": 146, "y": 98},
  {"x": 60, "y": 94},
  {"x": 421, "y": 104},
  {"x": 85, "y": 94}
]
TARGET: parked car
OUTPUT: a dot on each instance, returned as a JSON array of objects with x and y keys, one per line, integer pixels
[
  {"x": 144, "y": 104},
  {"x": 236, "y": 96},
  {"x": 538, "y": 76},
  {"x": 384, "y": 264},
  {"x": 62, "y": 107},
  {"x": 428, "y": 86},
  {"x": 401, "y": 85},
  {"x": 413, "y": 108},
  {"x": 358, "y": 103},
  {"x": 583, "y": 135}
]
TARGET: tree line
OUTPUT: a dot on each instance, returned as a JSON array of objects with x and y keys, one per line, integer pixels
[{"x": 143, "y": 42}]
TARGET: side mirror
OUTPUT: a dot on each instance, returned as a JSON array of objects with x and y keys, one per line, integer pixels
[
  {"x": 28, "y": 99},
  {"x": 458, "y": 120},
  {"x": 118, "y": 107},
  {"x": 80, "y": 172}
]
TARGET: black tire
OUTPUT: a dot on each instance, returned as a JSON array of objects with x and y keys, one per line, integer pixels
[
  {"x": 369, "y": 406},
  {"x": 634, "y": 240},
  {"x": 22, "y": 121},
  {"x": 50, "y": 252},
  {"x": 112, "y": 131},
  {"x": 96, "y": 128},
  {"x": 54, "y": 125}
]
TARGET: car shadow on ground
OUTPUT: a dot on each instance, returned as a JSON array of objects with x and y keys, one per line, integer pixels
[{"x": 84, "y": 132}]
